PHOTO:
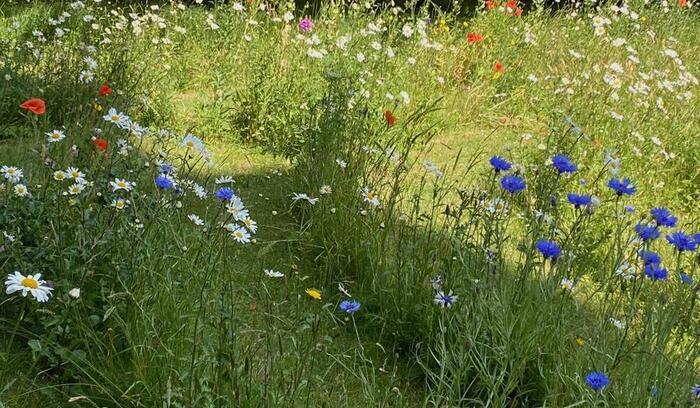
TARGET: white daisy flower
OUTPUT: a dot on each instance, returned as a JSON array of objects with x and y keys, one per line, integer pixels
[
  {"x": 76, "y": 188},
  {"x": 121, "y": 184},
  {"x": 224, "y": 180},
  {"x": 74, "y": 293},
  {"x": 12, "y": 174},
  {"x": 75, "y": 174},
  {"x": 118, "y": 118},
  {"x": 250, "y": 224},
  {"x": 196, "y": 220},
  {"x": 119, "y": 203},
  {"x": 21, "y": 190},
  {"x": 192, "y": 142},
  {"x": 241, "y": 235},
  {"x": 55, "y": 136},
  {"x": 59, "y": 175},
  {"x": 566, "y": 284},
  {"x": 273, "y": 274},
  {"x": 32, "y": 284},
  {"x": 304, "y": 196},
  {"x": 369, "y": 197}
]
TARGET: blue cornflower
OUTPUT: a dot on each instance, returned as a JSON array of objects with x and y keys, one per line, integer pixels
[
  {"x": 622, "y": 187},
  {"x": 443, "y": 299},
  {"x": 655, "y": 391},
  {"x": 349, "y": 306},
  {"x": 663, "y": 217},
  {"x": 650, "y": 257},
  {"x": 685, "y": 278},
  {"x": 500, "y": 164},
  {"x": 166, "y": 168},
  {"x": 548, "y": 249},
  {"x": 682, "y": 241},
  {"x": 224, "y": 194},
  {"x": 164, "y": 182},
  {"x": 647, "y": 232},
  {"x": 629, "y": 208},
  {"x": 655, "y": 272},
  {"x": 513, "y": 184},
  {"x": 579, "y": 200},
  {"x": 695, "y": 391},
  {"x": 563, "y": 164},
  {"x": 597, "y": 380}
]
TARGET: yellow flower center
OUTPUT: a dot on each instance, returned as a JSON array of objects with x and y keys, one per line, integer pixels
[
  {"x": 29, "y": 283},
  {"x": 115, "y": 118},
  {"x": 190, "y": 143}
]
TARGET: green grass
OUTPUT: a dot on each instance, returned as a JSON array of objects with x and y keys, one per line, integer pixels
[{"x": 176, "y": 316}]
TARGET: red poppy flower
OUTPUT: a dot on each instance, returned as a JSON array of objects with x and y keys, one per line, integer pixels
[
  {"x": 519, "y": 11},
  {"x": 474, "y": 38},
  {"x": 490, "y": 4},
  {"x": 105, "y": 90},
  {"x": 498, "y": 67},
  {"x": 35, "y": 106},
  {"x": 683, "y": 3},
  {"x": 511, "y": 5},
  {"x": 100, "y": 144},
  {"x": 390, "y": 118}
]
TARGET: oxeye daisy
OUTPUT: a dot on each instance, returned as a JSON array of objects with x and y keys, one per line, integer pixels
[
  {"x": 115, "y": 117},
  {"x": 305, "y": 197},
  {"x": 349, "y": 306},
  {"x": 196, "y": 220},
  {"x": 370, "y": 197},
  {"x": 75, "y": 174},
  {"x": 192, "y": 142},
  {"x": 443, "y": 299},
  {"x": 76, "y": 188},
  {"x": 12, "y": 174},
  {"x": 563, "y": 164},
  {"x": 119, "y": 203},
  {"x": 21, "y": 190},
  {"x": 121, "y": 184},
  {"x": 273, "y": 274},
  {"x": 55, "y": 136},
  {"x": 597, "y": 380},
  {"x": 250, "y": 224},
  {"x": 59, "y": 175},
  {"x": 32, "y": 284},
  {"x": 241, "y": 235}
]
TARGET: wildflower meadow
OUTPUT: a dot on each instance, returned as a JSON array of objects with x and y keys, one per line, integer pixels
[{"x": 349, "y": 203}]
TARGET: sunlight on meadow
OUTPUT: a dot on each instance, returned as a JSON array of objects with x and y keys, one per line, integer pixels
[{"x": 226, "y": 204}]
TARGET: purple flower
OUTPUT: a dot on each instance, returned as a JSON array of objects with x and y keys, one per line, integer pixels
[
  {"x": 224, "y": 194},
  {"x": 563, "y": 164},
  {"x": 164, "y": 182},
  {"x": 513, "y": 184},
  {"x": 647, "y": 232},
  {"x": 655, "y": 272},
  {"x": 548, "y": 249},
  {"x": 682, "y": 241},
  {"x": 306, "y": 24},
  {"x": 349, "y": 306},
  {"x": 579, "y": 200},
  {"x": 622, "y": 187},
  {"x": 500, "y": 164},
  {"x": 663, "y": 217},
  {"x": 597, "y": 380}
]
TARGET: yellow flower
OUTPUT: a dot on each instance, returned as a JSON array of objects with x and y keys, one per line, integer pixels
[
  {"x": 579, "y": 341},
  {"x": 496, "y": 75},
  {"x": 314, "y": 294},
  {"x": 98, "y": 107}
]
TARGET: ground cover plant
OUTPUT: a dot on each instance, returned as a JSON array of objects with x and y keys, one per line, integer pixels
[{"x": 350, "y": 203}]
